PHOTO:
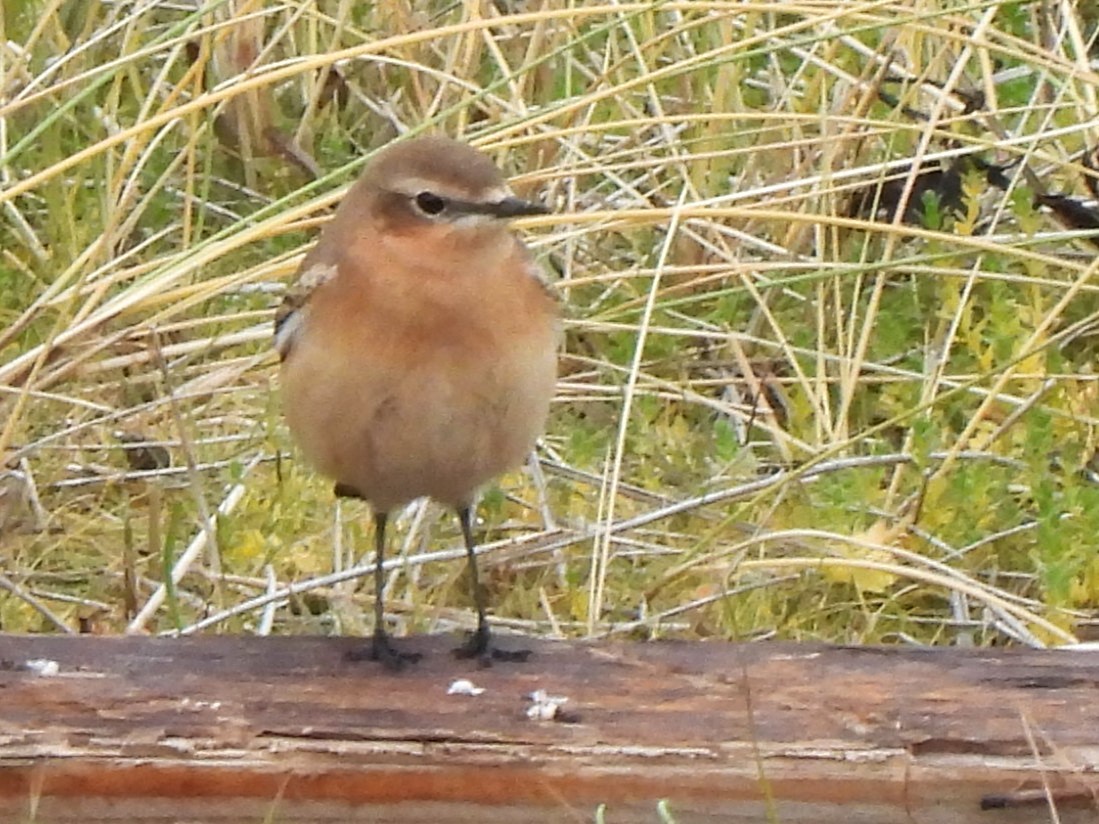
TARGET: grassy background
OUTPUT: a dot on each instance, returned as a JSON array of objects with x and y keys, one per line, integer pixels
[{"x": 776, "y": 416}]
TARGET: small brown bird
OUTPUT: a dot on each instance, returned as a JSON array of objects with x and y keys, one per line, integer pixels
[{"x": 419, "y": 347}]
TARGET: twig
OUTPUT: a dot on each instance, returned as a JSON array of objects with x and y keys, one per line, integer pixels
[
  {"x": 43, "y": 610},
  {"x": 197, "y": 545}
]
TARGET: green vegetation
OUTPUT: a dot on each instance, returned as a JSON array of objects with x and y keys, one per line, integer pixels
[{"x": 777, "y": 417}]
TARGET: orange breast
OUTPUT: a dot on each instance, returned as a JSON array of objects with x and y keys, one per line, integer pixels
[{"x": 402, "y": 386}]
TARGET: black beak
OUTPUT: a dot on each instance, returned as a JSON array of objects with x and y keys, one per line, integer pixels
[{"x": 511, "y": 207}]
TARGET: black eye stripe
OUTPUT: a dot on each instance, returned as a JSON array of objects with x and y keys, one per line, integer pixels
[{"x": 433, "y": 205}]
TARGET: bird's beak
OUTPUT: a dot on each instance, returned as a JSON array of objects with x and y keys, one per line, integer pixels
[{"x": 511, "y": 207}]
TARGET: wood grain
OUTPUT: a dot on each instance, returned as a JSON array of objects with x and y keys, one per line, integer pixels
[{"x": 242, "y": 729}]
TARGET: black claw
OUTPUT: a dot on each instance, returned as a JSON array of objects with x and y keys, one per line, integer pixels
[
  {"x": 511, "y": 655},
  {"x": 475, "y": 646},
  {"x": 382, "y": 649},
  {"x": 479, "y": 645}
]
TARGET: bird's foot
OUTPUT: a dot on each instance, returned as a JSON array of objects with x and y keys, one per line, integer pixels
[
  {"x": 479, "y": 645},
  {"x": 381, "y": 649}
]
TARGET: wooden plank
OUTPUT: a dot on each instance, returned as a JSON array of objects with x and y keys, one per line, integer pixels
[{"x": 235, "y": 729}]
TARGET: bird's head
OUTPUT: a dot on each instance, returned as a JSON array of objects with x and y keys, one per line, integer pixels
[{"x": 438, "y": 186}]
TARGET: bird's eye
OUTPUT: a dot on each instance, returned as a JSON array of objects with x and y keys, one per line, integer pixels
[{"x": 430, "y": 203}]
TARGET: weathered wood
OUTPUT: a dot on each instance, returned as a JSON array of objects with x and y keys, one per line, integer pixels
[{"x": 225, "y": 729}]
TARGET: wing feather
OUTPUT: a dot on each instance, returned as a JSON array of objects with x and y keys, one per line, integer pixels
[{"x": 290, "y": 316}]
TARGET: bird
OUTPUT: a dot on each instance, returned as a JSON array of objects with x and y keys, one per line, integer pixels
[{"x": 418, "y": 348}]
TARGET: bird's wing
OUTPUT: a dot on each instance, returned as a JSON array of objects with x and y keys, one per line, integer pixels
[
  {"x": 291, "y": 312},
  {"x": 538, "y": 273}
]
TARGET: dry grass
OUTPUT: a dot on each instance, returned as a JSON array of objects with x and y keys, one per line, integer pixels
[{"x": 775, "y": 418}]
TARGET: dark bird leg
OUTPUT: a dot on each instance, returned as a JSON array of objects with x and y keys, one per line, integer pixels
[
  {"x": 479, "y": 645},
  {"x": 381, "y": 648}
]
